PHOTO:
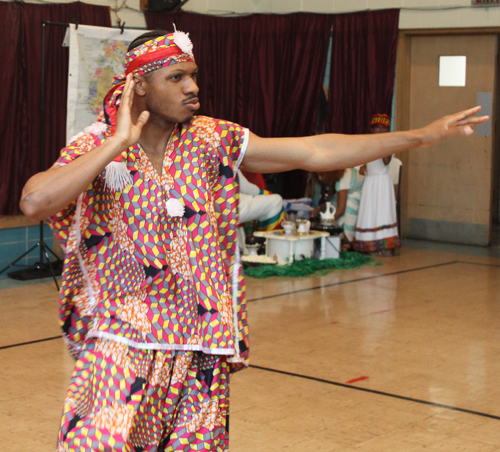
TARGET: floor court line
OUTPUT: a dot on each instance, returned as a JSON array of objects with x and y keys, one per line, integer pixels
[
  {"x": 478, "y": 263},
  {"x": 30, "y": 342},
  {"x": 320, "y": 380},
  {"x": 288, "y": 293},
  {"x": 373, "y": 391},
  {"x": 353, "y": 281}
]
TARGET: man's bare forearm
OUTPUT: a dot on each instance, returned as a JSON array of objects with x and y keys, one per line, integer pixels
[
  {"x": 334, "y": 151},
  {"x": 326, "y": 152},
  {"x": 49, "y": 192}
]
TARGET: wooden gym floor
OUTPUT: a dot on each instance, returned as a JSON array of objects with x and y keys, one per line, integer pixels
[{"x": 404, "y": 356}]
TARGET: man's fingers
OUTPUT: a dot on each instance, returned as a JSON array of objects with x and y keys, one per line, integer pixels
[
  {"x": 473, "y": 120},
  {"x": 131, "y": 90},
  {"x": 127, "y": 91},
  {"x": 466, "y": 113},
  {"x": 142, "y": 119}
]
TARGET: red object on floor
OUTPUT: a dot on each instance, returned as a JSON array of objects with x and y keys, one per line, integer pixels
[{"x": 356, "y": 380}]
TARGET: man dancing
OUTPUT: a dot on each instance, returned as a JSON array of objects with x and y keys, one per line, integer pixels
[{"x": 144, "y": 203}]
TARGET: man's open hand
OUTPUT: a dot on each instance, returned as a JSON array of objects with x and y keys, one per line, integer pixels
[
  {"x": 455, "y": 125},
  {"x": 128, "y": 132}
]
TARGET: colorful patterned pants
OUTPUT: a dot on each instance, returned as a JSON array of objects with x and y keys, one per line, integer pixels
[{"x": 127, "y": 399}]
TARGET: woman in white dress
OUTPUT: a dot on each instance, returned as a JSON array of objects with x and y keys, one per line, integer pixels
[{"x": 377, "y": 226}]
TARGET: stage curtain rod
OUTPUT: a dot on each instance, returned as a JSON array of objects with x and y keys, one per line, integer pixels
[{"x": 67, "y": 24}]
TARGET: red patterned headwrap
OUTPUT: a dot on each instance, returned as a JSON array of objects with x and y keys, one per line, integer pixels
[
  {"x": 160, "y": 52},
  {"x": 381, "y": 119}
]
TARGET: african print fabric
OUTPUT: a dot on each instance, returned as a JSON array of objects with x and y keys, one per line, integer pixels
[
  {"x": 143, "y": 278},
  {"x": 377, "y": 245},
  {"x": 126, "y": 399}
]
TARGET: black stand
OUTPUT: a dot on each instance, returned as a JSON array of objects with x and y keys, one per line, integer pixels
[
  {"x": 50, "y": 268},
  {"x": 40, "y": 269}
]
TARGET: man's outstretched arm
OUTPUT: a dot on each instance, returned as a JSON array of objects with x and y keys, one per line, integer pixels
[{"x": 335, "y": 151}]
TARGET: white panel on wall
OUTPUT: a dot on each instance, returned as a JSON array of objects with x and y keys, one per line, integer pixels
[
  {"x": 223, "y": 6},
  {"x": 286, "y": 6},
  {"x": 420, "y": 3},
  {"x": 132, "y": 19},
  {"x": 486, "y": 17},
  {"x": 409, "y": 19},
  {"x": 342, "y": 6},
  {"x": 239, "y": 6},
  {"x": 197, "y": 6},
  {"x": 452, "y": 70},
  {"x": 318, "y": 6},
  {"x": 455, "y": 3},
  {"x": 385, "y": 4}
]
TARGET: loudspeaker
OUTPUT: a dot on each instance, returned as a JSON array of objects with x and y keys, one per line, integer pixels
[{"x": 157, "y": 6}]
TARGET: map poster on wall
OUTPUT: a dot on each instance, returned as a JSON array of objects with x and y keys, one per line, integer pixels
[{"x": 96, "y": 55}]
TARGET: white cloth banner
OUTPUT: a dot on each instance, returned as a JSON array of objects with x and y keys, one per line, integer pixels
[{"x": 96, "y": 55}]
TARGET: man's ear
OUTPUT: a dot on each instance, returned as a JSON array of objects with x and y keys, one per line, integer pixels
[{"x": 140, "y": 85}]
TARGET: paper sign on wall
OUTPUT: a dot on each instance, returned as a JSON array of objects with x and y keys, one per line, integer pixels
[{"x": 452, "y": 70}]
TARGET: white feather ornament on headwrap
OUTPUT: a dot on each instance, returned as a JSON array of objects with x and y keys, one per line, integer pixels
[{"x": 182, "y": 41}]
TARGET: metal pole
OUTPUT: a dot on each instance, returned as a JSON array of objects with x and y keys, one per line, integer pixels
[{"x": 42, "y": 133}]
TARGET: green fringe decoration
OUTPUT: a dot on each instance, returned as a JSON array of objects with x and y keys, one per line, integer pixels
[{"x": 306, "y": 267}]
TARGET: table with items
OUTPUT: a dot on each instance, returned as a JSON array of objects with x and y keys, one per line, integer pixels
[{"x": 285, "y": 248}]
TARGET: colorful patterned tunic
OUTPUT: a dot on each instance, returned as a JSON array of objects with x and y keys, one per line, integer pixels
[{"x": 138, "y": 276}]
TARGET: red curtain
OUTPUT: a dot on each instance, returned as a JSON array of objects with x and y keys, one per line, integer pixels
[
  {"x": 262, "y": 71},
  {"x": 363, "y": 62},
  {"x": 217, "y": 50},
  {"x": 20, "y": 103}
]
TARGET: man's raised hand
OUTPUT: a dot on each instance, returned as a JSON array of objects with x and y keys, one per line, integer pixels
[{"x": 126, "y": 130}]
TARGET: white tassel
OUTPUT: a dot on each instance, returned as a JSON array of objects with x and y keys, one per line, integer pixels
[
  {"x": 182, "y": 41},
  {"x": 117, "y": 176},
  {"x": 174, "y": 207},
  {"x": 96, "y": 128}
]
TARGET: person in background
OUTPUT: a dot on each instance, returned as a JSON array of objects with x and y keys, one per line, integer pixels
[
  {"x": 343, "y": 189},
  {"x": 377, "y": 227},
  {"x": 261, "y": 205}
]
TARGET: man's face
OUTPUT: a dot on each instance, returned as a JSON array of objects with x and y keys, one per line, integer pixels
[
  {"x": 171, "y": 93},
  {"x": 379, "y": 128}
]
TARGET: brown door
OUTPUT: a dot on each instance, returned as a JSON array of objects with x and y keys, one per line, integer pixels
[{"x": 449, "y": 191}]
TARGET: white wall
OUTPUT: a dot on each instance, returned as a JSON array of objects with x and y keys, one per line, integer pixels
[{"x": 414, "y": 13}]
